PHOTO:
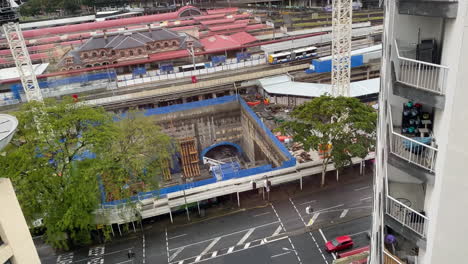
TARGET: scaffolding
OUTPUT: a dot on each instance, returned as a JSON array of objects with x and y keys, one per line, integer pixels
[{"x": 190, "y": 161}]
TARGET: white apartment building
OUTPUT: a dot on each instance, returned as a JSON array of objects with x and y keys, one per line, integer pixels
[
  {"x": 422, "y": 158},
  {"x": 16, "y": 245}
]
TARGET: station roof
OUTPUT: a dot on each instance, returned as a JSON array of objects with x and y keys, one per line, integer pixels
[
  {"x": 217, "y": 21},
  {"x": 222, "y": 42},
  {"x": 282, "y": 85},
  {"x": 226, "y": 27},
  {"x": 222, "y": 10},
  {"x": 243, "y": 38},
  {"x": 216, "y": 16},
  {"x": 169, "y": 55}
]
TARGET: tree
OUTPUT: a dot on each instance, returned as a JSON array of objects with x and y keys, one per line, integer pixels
[
  {"x": 340, "y": 127},
  {"x": 55, "y": 166}
]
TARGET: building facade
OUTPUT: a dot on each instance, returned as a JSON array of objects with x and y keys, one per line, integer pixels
[
  {"x": 419, "y": 211},
  {"x": 109, "y": 49}
]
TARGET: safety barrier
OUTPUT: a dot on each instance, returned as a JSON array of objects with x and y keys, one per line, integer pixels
[
  {"x": 410, "y": 149},
  {"x": 390, "y": 259},
  {"x": 419, "y": 74},
  {"x": 230, "y": 65},
  {"x": 407, "y": 216}
]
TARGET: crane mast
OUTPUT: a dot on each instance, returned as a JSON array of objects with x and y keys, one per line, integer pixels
[{"x": 341, "y": 46}]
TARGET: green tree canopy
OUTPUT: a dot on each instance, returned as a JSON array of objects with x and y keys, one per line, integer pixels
[
  {"x": 343, "y": 123},
  {"x": 52, "y": 179}
]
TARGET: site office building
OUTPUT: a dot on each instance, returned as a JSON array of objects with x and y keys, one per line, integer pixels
[{"x": 421, "y": 169}]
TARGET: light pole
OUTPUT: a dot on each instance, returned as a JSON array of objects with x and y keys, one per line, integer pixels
[{"x": 184, "y": 180}]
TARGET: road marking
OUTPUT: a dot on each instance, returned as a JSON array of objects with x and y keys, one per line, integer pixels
[
  {"x": 321, "y": 233},
  {"x": 277, "y": 231},
  {"x": 237, "y": 232},
  {"x": 312, "y": 220},
  {"x": 366, "y": 198},
  {"x": 247, "y": 245},
  {"x": 244, "y": 238},
  {"x": 210, "y": 246},
  {"x": 214, "y": 254},
  {"x": 167, "y": 246},
  {"x": 144, "y": 249},
  {"x": 277, "y": 255},
  {"x": 177, "y": 236},
  {"x": 181, "y": 262},
  {"x": 313, "y": 201},
  {"x": 230, "y": 250},
  {"x": 176, "y": 253},
  {"x": 279, "y": 219},
  {"x": 325, "y": 209},
  {"x": 359, "y": 233},
  {"x": 343, "y": 214},
  {"x": 261, "y": 214},
  {"x": 198, "y": 258},
  {"x": 362, "y": 188},
  {"x": 310, "y": 233}
]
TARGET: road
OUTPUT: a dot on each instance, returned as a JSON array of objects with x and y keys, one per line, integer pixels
[{"x": 273, "y": 232}]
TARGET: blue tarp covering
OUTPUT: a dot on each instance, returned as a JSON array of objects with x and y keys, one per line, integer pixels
[
  {"x": 139, "y": 71},
  {"x": 167, "y": 68},
  {"x": 325, "y": 66},
  {"x": 242, "y": 56},
  {"x": 216, "y": 60}
]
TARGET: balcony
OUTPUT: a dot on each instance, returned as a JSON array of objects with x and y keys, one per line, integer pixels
[
  {"x": 432, "y": 8},
  {"x": 417, "y": 73},
  {"x": 406, "y": 216},
  {"x": 415, "y": 150}
]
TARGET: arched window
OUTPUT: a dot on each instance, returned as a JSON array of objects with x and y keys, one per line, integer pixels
[
  {"x": 166, "y": 44},
  {"x": 63, "y": 69},
  {"x": 78, "y": 67},
  {"x": 103, "y": 53},
  {"x": 115, "y": 62},
  {"x": 158, "y": 46},
  {"x": 85, "y": 55},
  {"x": 131, "y": 53},
  {"x": 113, "y": 53},
  {"x": 97, "y": 64},
  {"x": 89, "y": 65},
  {"x": 94, "y": 54},
  {"x": 71, "y": 68},
  {"x": 122, "y": 54},
  {"x": 140, "y": 51},
  {"x": 174, "y": 43},
  {"x": 148, "y": 48}
]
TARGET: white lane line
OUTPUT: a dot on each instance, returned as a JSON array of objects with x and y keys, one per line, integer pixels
[
  {"x": 167, "y": 246},
  {"x": 144, "y": 249},
  {"x": 321, "y": 233},
  {"x": 277, "y": 231},
  {"x": 261, "y": 214},
  {"x": 233, "y": 233},
  {"x": 210, "y": 246},
  {"x": 198, "y": 258},
  {"x": 214, "y": 254},
  {"x": 343, "y": 214},
  {"x": 325, "y": 239},
  {"x": 362, "y": 188},
  {"x": 244, "y": 238},
  {"x": 359, "y": 233},
  {"x": 313, "y": 201},
  {"x": 277, "y": 255},
  {"x": 230, "y": 250},
  {"x": 282, "y": 225},
  {"x": 181, "y": 262},
  {"x": 247, "y": 245},
  {"x": 312, "y": 220},
  {"x": 366, "y": 198},
  {"x": 310, "y": 233},
  {"x": 176, "y": 253},
  {"x": 325, "y": 209},
  {"x": 177, "y": 236}
]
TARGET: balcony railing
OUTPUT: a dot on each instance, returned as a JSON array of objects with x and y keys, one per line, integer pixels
[
  {"x": 419, "y": 74},
  {"x": 410, "y": 149},
  {"x": 390, "y": 259},
  {"x": 407, "y": 216}
]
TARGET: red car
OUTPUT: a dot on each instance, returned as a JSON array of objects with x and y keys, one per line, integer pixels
[{"x": 339, "y": 243}]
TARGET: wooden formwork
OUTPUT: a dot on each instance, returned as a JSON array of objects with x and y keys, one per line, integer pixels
[
  {"x": 190, "y": 160},
  {"x": 165, "y": 167}
]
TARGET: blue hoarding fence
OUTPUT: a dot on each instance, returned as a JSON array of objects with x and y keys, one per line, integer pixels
[{"x": 326, "y": 65}]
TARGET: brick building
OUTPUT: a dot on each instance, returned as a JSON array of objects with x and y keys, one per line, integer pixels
[{"x": 112, "y": 49}]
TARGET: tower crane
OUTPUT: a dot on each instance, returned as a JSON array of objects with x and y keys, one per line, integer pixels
[
  {"x": 342, "y": 12},
  {"x": 9, "y": 19}
]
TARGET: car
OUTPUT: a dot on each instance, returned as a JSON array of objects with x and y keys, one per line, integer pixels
[{"x": 339, "y": 243}]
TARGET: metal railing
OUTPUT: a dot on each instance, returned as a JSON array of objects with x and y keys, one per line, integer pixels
[
  {"x": 390, "y": 259},
  {"x": 407, "y": 216},
  {"x": 411, "y": 150},
  {"x": 419, "y": 74}
]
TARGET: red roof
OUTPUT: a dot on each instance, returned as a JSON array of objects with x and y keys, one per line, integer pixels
[
  {"x": 222, "y": 10},
  {"x": 256, "y": 26},
  {"x": 245, "y": 21},
  {"x": 232, "y": 26},
  {"x": 243, "y": 38},
  {"x": 209, "y": 17},
  {"x": 168, "y": 55},
  {"x": 219, "y": 42},
  {"x": 217, "y": 21},
  {"x": 237, "y": 16}
]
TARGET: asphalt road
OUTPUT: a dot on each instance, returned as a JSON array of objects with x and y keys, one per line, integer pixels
[{"x": 272, "y": 233}]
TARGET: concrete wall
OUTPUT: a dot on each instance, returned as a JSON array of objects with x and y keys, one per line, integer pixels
[
  {"x": 14, "y": 232},
  {"x": 208, "y": 124}
]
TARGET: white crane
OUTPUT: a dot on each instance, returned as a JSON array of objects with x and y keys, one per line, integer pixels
[{"x": 341, "y": 46}]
